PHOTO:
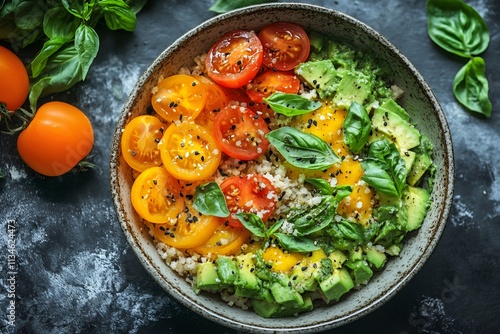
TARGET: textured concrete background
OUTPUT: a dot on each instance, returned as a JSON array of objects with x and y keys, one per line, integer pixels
[{"x": 77, "y": 274}]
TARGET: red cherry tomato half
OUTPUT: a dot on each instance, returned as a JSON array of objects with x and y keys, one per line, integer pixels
[
  {"x": 234, "y": 59},
  {"x": 251, "y": 193},
  {"x": 285, "y": 45},
  {"x": 240, "y": 132},
  {"x": 271, "y": 81}
]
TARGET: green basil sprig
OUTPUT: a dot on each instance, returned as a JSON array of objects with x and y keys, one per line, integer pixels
[
  {"x": 291, "y": 104},
  {"x": 470, "y": 87},
  {"x": 209, "y": 200},
  {"x": 356, "y": 127},
  {"x": 302, "y": 149},
  {"x": 296, "y": 244},
  {"x": 254, "y": 224},
  {"x": 457, "y": 27},
  {"x": 65, "y": 29},
  {"x": 384, "y": 169}
]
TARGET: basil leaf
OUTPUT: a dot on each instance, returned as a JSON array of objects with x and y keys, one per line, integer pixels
[
  {"x": 87, "y": 45},
  {"x": 75, "y": 7},
  {"x": 315, "y": 218},
  {"x": 457, "y": 27},
  {"x": 376, "y": 176},
  {"x": 356, "y": 127},
  {"x": 29, "y": 14},
  {"x": 342, "y": 192},
  {"x": 301, "y": 149},
  {"x": 118, "y": 15},
  {"x": 321, "y": 184},
  {"x": 59, "y": 23},
  {"x": 291, "y": 104},
  {"x": 470, "y": 87},
  {"x": 48, "y": 49},
  {"x": 296, "y": 244},
  {"x": 253, "y": 223},
  {"x": 351, "y": 230},
  {"x": 209, "y": 200},
  {"x": 62, "y": 71},
  {"x": 274, "y": 228},
  {"x": 223, "y": 6}
]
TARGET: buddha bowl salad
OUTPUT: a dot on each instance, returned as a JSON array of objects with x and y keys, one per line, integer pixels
[{"x": 278, "y": 170}]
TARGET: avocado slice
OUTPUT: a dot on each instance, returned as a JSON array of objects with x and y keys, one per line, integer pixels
[
  {"x": 247, "y": 284},
  {"x": 226, "y": 269},
  {"x": 207, "y": 278},
  {"x": 353, "y": 86},
  {"x": 422, "y": 163},
  {"x": 269, "y": 309},
  {"x": 361, "y": 271},
  {"x": 320, "y": 75},
  {"x": 392, "y": 125},
  {"x": 417, "y": 201},
  {"x": 375, "y": 257},
  {"x": 335, "y": 286}
]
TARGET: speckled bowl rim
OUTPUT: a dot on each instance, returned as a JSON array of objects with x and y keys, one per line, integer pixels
[{"x": 286, "y": 325}]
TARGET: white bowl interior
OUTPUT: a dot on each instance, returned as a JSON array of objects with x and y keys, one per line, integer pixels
[{"x": 418, "y": 100}]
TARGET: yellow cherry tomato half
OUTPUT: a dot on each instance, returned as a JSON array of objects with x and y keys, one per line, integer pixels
[
  {"x": 155, "y": 196},
  {"x": 179, "y": 97},
  {"x": 189, "y": 230},
  {"x": 140, "y": 140},
  {"x": 226, "y": 240},
  {"x": 189, "y": 151}
]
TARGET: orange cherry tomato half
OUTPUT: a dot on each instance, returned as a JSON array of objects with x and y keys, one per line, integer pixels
[
  {"x": 251, "y": 193},
  {"x": 226, "y": 240},
  {"x": 240, "y": 132},
  {"x": 285, "y": 45},
  {"x": 234, "y": 59},
  {"x": 216, "y": 100},
  {"x": 189, "y": 151},
  {"x": 270, "y": 82},
  {"x": 14, "y": 81},
  {"x": 179, "y": 97},
  {"x": 189, "y": 230},
  {"x": 140, "y": 140},
  {"x": 155, "y": 196},
  {"x": 56, "y": 139}
]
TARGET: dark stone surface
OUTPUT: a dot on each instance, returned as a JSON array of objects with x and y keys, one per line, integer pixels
[{"x": 77, "y": 274}]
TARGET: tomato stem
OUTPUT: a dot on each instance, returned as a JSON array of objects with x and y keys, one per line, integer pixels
[
  {"x": 84, "y": 166},
  {"x": 22, "y": 115}
]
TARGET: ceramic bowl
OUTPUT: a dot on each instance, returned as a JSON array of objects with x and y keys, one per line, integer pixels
[{"x": 418, "y": 100}]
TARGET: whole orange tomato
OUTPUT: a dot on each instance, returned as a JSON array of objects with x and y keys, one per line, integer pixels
[
  {"x": 14, "y": 82},
  {"x": 56, "y": 139}
]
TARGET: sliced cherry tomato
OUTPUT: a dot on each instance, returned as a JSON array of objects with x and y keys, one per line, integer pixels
[
  {"x": 226, "y": 240},
  {"x": 285, "y": 45},
  {"x": 179, "y": 97},
  {"x": 249, "y": 193},
  {"x": 56, "y": 139},
  {"x": 140, "y": 140},
  {"x": 235, "y": 59},
  {"x": 189, "y": 230},
  {"x": 155, "y": 196},
  {"x": 14, "y": 81},
  {"x": 271, "y": 81},
  {"x": 240, "y": 132},
  {"x": 189, "y": 151},
  {"x": 216, "y": 100}
]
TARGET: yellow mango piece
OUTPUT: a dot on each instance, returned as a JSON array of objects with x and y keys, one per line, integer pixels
[{"x": 281, "y": 261}]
